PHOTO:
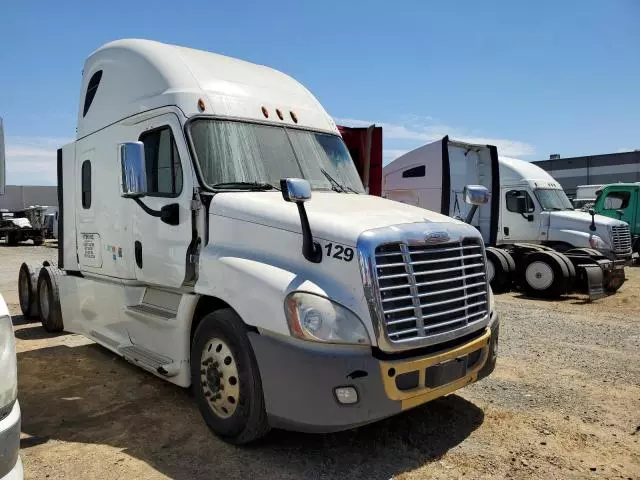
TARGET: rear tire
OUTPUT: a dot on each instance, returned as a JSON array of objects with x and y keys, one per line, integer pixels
[
  {"x": 49, "y": 299},
  {"x": 28, "y": 291},
  {"x": 226, "y": 380},
  {"x": 38, "y": 241},
  {"x": 498, "y": 271},
  {"x": 544, "y": 275}
]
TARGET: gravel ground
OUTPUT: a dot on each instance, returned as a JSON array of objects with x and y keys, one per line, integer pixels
[{"x": 564, "y": 402}]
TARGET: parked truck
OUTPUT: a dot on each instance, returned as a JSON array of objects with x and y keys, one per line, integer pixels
[
  {"x": 213, "y": 230},
  {"x": 538, "y": 242},
  {"x": 621, "y": 201}
]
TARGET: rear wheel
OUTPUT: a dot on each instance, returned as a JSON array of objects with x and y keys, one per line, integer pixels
[
  {"x": 38, "y": 241},
  {"x": 226, "y": 380},
  {"x": 544, "y": 275},
  {"x": 12, "y": 239},
  {"x": 28, "y": 290},
  {"x": 498, "y": 270},
  {"x": 49, "y": 299}
]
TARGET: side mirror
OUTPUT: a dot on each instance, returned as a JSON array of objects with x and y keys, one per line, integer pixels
[
  {"x": 296, "y": 190},
  {"x": 476, "y": 194},
  {"x": 620, "y": 214},
  {"x": 134, "y": 172},
  {"x": 521, "y": 204}
]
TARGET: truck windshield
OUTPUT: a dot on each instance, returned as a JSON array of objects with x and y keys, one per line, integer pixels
[
  {"x": 232, "y": 152},
  {"x": 553, "y": 199}
]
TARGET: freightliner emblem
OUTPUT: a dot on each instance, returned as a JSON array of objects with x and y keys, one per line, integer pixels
[{"x": 436, "y": 237}]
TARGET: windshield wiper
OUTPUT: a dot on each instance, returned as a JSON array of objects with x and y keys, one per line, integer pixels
[
  {"x": 335, "y": 185},
  {"x": 252, "y": 186}
]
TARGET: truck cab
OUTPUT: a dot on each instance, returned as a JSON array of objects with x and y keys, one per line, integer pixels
[
  {"x": 622, "y": 202},
  {"x": 213, "y": 230},
  {"x": 535, "y": 208}
]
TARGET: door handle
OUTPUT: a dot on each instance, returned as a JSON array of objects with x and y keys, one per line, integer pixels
[{"x": 137, "y": 249}]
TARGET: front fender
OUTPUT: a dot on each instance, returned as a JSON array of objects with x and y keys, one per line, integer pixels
[
  {"x": 256, "y": 290},
  {"x": 576, "y": 238}
]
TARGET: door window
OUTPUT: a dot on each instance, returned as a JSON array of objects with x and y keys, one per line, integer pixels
[
  {"x": 164, "y": 171},
  {"x": 512, "y": 201},
  {"x": 617, "y": 200}
]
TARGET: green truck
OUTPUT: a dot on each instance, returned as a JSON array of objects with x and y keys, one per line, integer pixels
[{"x": 622, "y": 201}]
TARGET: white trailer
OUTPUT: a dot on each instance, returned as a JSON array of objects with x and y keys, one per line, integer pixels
[
  {"x": 529, "y": 213},
  {"x": 190, "y": 245}
]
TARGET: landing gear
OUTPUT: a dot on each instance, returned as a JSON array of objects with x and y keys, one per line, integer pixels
[{"x": 225, "y": 379}]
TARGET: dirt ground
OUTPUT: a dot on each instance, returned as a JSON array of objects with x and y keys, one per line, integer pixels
[{"x": 564, "y": 402}]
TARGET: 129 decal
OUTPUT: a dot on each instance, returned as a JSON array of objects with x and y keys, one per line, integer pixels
[{"x": 338, "y": 251}]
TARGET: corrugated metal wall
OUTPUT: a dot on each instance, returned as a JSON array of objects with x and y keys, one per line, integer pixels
[
  {"x": 593, "y": 169},
  {"x": 17, "y": 197}
]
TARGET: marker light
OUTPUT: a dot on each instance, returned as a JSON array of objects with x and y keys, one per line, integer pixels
[
  {"x": 294, "y": 117},
  {"x": 279, "y": 113},
  {"x": 265, "y": 112},
  {"x": 201, "y": 104}
]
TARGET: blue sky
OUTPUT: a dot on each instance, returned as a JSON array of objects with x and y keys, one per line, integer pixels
[{"x": 534, "y": 78}]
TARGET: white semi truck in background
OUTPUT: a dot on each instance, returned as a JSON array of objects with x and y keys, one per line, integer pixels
[
  {"x": 537, "y": 240},
  {"x": 10, "y": 462},
  {"x": 190, "y": 244}
]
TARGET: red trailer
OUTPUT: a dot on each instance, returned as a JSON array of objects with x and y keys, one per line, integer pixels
[{"x": 365, "y": 147}]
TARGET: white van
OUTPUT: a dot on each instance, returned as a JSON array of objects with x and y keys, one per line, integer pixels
[{"x": 10, "y": 463}]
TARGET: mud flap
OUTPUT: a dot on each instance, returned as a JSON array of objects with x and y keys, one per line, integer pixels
[
  {"x": 614, "y": 278},
  {"x": 595, "y": 285}
]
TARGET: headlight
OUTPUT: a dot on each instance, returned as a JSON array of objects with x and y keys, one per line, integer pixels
[
  {"x": 8, "y": 368},
  {"x": 596, "y": 242},
  {"x": 492, "y": 301},
  {"x": 316, "y": 318}
]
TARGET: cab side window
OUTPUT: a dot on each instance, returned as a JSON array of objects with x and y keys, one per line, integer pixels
[
  {"x": 512, "y": 202},
  {"x": 617, "y": 200},
  {"x": 164, "y": 171}
]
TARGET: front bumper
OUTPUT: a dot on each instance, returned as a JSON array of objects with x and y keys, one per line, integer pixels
[
  {"x": 10, "y": 464},
  {"x": 299, "y": 379}
]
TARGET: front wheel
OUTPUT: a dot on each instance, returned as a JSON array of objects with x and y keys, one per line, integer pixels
[{"x": 226, "y": 380}]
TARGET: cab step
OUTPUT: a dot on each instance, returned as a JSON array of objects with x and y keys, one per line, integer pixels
[{"x": 150, "y": 360}]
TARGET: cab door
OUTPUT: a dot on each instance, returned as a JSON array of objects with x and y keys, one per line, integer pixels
[
  {"x": 161, "y": 223},
  {"x": 614, "y": 201},
  {"x": 520, "y": 224}
]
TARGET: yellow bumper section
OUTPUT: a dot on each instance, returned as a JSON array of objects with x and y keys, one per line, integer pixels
[{"x": 421, "y": 394}]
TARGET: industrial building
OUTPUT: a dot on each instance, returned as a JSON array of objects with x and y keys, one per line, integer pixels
[
  {"x": 593, "y": 169},
  {"x": 17, "y": 197}
]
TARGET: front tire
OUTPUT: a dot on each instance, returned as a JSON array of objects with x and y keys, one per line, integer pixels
[{"x": 226, "y": 380}]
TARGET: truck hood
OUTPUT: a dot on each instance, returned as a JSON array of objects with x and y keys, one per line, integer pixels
[
  {"x": 339, "y": 217},
  {"x": 581, "y": 220}
]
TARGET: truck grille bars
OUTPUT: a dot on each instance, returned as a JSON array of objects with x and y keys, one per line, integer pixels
[
  {"x": 428, "y": 290},
  {"x": 621, "y": 239}
]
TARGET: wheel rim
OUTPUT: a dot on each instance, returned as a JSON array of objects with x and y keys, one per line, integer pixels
[
  {"x": 219, "y": 378},
  {"x": 491, "y": 270},
  {"x": 44, "y": 300},
  {"x": 23, "y": 291},
  {"x": 539, "y": 275}
]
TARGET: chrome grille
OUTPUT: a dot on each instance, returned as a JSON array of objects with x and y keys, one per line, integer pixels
[
  {"x": 621, "y": 238},
  {"x": 427, "y": 290}
]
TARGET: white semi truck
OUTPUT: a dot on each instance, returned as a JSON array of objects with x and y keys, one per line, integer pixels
[
  {"x": 10, "y": 416},
  {"x": 214, "y": 231},
  {"x": 529, "y": 218}
]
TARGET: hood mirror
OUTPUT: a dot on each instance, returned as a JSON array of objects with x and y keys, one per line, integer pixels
[
  {"x": 592, "y": 227},
  {"x": 476, "y": 194},
  {"x": 298, "y": 191},
  {"x": 295, "y": 190}
]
